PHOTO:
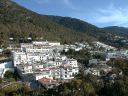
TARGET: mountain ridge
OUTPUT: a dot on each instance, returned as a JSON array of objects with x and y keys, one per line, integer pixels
[
  {"x": 19, "y": 22},
  {"x": 122, "y": 31}
]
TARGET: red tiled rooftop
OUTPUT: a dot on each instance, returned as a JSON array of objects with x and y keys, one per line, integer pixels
[{"x": 47, "y": 81}]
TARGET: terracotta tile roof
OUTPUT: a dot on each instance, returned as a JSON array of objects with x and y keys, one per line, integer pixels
[{"x": 47, "y": 81}]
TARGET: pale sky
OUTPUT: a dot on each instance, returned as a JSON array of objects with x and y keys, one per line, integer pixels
[{"x": 98, "y": 12}]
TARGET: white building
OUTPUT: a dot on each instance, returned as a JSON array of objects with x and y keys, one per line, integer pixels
[
  {"x": 46, "y": 43},
  {"x": 5, "y": 65},
  {"x": 105, "y": 46},
  {"x": 93, "y": 61},
  {"x": 117, "y": 54},
  {"x": 19, "y": 57},
  {"x": 42, "y": 59}
]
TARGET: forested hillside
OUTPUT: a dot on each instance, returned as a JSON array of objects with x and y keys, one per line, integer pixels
[
  {"x": 18, "y": 22},
  {"x": 21, "y": 23},
  {"x": 78, "y": 25},
  {"x": 122, "y": 31}
]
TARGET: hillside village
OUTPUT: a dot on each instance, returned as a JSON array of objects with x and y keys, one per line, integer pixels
[
  {"x": 42, "y": 61},
  {"x": 42, "y": 54}
]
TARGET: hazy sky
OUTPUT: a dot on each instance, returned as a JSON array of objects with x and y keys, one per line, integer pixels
[{"x": 98, "y": 12}]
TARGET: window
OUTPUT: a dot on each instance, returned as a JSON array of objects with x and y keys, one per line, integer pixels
[{"x": 75, "y": 69}]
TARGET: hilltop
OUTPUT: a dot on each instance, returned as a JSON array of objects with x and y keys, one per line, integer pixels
[
  {"x": 116, "y": 30},
  {"x": 21, "y": 23}
]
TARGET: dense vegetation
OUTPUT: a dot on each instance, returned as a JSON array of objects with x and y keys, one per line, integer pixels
[
  {"x": 82, "y": 56},
  {"x": 19, "y": 23},
  {"x": 120, "y": 31},
  {"x": 78, "y": 25},
  {"x": 96, "y": 85}
]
